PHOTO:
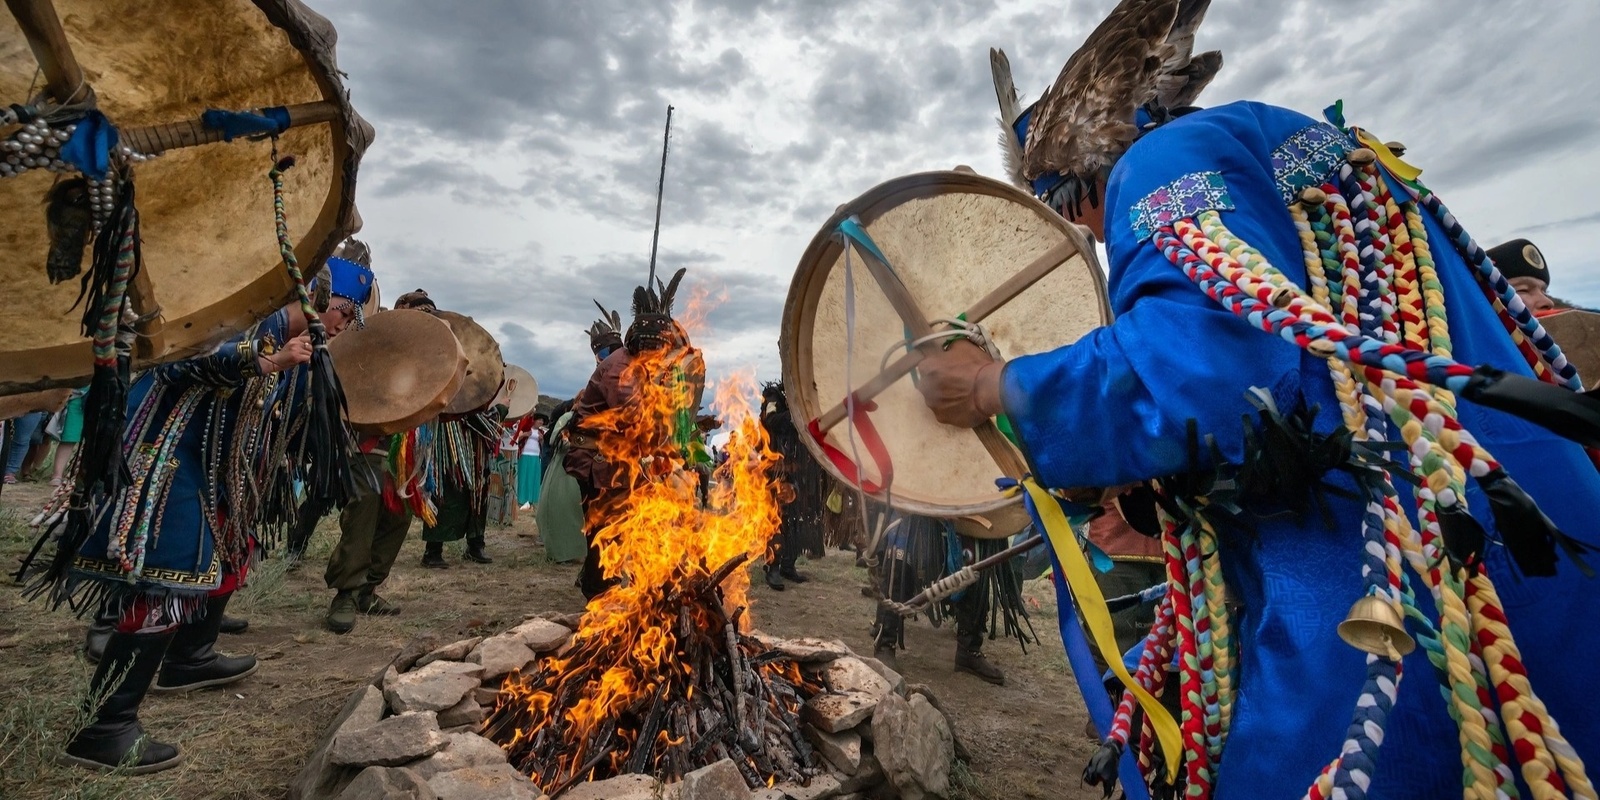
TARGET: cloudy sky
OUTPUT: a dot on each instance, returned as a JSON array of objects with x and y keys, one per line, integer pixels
[{"x": 518, "y": 140}]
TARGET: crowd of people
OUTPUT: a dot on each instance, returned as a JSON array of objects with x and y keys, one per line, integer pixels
[{"x": 1307, "y": 499}]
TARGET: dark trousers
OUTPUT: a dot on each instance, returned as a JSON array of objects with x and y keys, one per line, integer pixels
[
  {"x": 592, "y": 580},
  {"x": 311, "y": 513},
  {"x": 457, "y": 519},
  {"x": 370, "y": 536},
  {"x": 969, "y": 609}
]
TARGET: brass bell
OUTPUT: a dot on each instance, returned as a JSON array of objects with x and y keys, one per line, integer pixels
[
  {"x": 1361, "y": 157},
  {"x": 1322, "y": 348},
  {"x": 1396, "y": 147},
  {"x": 1375, "y": 626},
  {"x": 1313, "y": 196},
  {"x": 1282, "y": 298}
]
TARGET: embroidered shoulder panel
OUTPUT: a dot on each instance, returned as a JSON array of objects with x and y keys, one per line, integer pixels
[
  {"x": 1185, "y": 197},
  {"x": 1307, "y": 158}
]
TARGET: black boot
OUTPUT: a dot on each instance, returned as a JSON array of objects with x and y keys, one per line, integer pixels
[
  {"x": 234, "y": 625},
  {"x": 193, "y": 663},
  {"x": 774, "y": 581},
  {"x": 792, "y": 575},
  {"x": 94, "y": 642},
  {"x": 475, "y": 552},
  {"x": 972, "y": 662},
  {"x": 433, "y": 555},
  {"x": 114, "y": 736}
]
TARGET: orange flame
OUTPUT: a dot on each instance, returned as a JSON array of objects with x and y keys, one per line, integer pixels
[{"x": 658, "y": 539}]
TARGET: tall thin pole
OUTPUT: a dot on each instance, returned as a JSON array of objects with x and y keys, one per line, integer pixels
[{"x": 661, "y": 187}]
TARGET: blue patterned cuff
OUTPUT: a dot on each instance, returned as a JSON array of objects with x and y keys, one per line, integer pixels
[
  {"x": 1307, "y": 158},
  {"x": 1182, "y": 198}
]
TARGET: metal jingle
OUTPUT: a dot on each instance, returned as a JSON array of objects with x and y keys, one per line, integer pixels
[
  {"x": 1361, "y": 157},
  {"x": 1398, "y": 148},
  {"x": 1322, "y": 348},
  {"x": 1375, "y": 626},
  {"x": 1282, "y": 298},
  {"x": 1312, "y": 196}
]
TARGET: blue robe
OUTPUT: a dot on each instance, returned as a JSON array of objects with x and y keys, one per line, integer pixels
[
  {"x": 181, "y": 506},
  {"x": 1112, "y": 409}
]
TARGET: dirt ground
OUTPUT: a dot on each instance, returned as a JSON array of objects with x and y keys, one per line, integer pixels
[{"x": 249, "y": 740}]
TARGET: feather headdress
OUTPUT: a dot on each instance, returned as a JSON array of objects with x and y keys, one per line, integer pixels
[
  {"x": 657, "y": 299},
  {"x": 1139, "y": 57}
]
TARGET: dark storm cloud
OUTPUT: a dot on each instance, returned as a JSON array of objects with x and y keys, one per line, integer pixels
[{"x": 435, "y": 176}]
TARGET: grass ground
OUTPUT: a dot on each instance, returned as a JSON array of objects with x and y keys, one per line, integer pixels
[{"x": 249, "y": 740}]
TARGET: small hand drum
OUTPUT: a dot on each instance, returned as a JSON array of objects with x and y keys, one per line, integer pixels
[
  {"x": 952, "y": 244},
  {"x": 399, "y": 371},
  {"x": 523, "y": 391},
  {"x": 485, "y": 371}
]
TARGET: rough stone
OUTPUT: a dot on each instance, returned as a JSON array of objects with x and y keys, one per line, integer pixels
[
  {"x": 866, "y": 776},
  {"x": 850, "y": 674},
  {"x": 842, "y": 749},
  {"x": 492, "y": 782},
  {"x": 897, "y": 682},
  {"x": 822, "y": 787},
  {"x": 435, "y": 687},
  {"x": 838, "y": 712},
  {"x": 321, "y": 777},
  {"x": 387, "y": 678},
  {"x": 486, "y": 695},
  {"x": 388, "y": 783},
  {"x": 805, "y": 650},
  {"x": 455, "y": 651},
  {"x": 622, "y": 787},
  {"x": 913, "y": 743},
  {"x": 719, "y": 781},
  {"x": 461, "y": 750},
  {"x": 390, "y": 743},
  {"x": 541, "y": 635},
  {"x": 413, "y": 650},
  {"x": 502, "y": 654},
  {"x": 466, "y": 712}
]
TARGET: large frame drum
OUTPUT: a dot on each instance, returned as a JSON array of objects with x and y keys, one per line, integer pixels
[{"x": 953, "y": 243}]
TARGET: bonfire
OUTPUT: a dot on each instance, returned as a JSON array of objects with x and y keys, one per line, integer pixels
[{"x": 663, "y": 676}]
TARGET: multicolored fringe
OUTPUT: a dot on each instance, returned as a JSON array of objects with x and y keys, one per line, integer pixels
[
  {"x": 411, "y": 462},
  {"x": 1382, "y": 326}
]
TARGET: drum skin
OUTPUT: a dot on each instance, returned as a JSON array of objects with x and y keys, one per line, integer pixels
[
  {"x": 525, "y": 396},
  {"x": 1578, "y": 334},
  {"x": 399, "y": 371},
  {"x": 211, "y": 263},
  {"x": 486, "y": 372},
  {"x": 951, "y": 237}
]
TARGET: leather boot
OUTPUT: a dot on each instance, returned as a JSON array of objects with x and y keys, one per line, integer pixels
[
  {"x": 193, "y": 663},
  {"x": 886, "y": 654},
  {"x": 792, "y": 575},
  {"x": 475, "y": 552},
  {"x": 234, "y": 625},
  {"x": 774, "y": 580},
  {"x": 342, "y": 611},
  {"x": 433, "y": 555},
  {"x": 972, "y": 662},
  {"x": 113, "y": 736},
  {"x": 94, "y": 642}
]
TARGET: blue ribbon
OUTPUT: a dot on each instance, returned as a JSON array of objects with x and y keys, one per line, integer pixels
[
  {"x": 1094, "y": 694},
  {"x": 89, "y": 148},
  {"x": 233, "y": 124}
]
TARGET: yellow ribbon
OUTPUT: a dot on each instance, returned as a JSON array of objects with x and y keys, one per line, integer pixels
[
  {"x": 1092, "y": 604},
  {"x": 1391, "y": 162}
]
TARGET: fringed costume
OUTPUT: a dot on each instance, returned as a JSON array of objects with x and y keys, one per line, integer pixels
[
  {"x": 1312, "y": 364},
  {"x": 464, "y": 451},
  {"x": 801, "y": 528}
]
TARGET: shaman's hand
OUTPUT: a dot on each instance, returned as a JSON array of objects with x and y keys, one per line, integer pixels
[
  {"x": 294, "y": 352},
  {"x": 961, "y": 384}
]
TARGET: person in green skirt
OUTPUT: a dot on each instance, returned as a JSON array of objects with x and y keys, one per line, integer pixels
[{"x": 71, "y": 433}]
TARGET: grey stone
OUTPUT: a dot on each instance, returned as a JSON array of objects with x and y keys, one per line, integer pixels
[
  {"x": 622, "y": 787},
  {"x": 842, "y": 749},
  {"x": 897, "y": 682},
  {"x": 805, "y": 650},
  {"x": 390, "y": 675},
  {"x": 466, "y": 712},
  {"x": 866, "y": 776},
  {"x": 486, "y": 695},
  {"x": 435, "y": 687},
  {"x": 321, "y": 777},
  {"x": 541, "y": 635},
  {"x": 503, "y": 654},
  {"x": 492, "y": 782},
  {"x": 913, "y": 743},
  {"x": 838, "y": 712},
  {"x": 390, "y": 743},
  {"x": 388, "y": 783},
  {"x": 455, "y": 651},
  {"x": 822, "y": 787},
  {"x": 719, "y": 781},
  {"x": 850, "y": 674},
  {"x": 773, "y": 793},
  {"x": 416, "y": 648},
  {"x": 461, "y": 750}
]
